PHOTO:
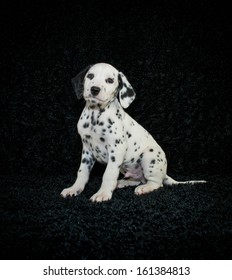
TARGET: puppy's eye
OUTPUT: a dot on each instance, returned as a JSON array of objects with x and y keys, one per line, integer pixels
[
  {"x": 109, "y": 81},
  {"x": 90, "y": 76}
]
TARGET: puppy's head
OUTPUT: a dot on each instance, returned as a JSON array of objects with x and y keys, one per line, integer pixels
[{"x": 101, "y": 83}]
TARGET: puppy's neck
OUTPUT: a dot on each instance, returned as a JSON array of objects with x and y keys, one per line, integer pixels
[{"x": 103, "y": 106}]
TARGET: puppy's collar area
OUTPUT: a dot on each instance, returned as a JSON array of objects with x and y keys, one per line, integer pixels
[{"x": 99, "y": 106}]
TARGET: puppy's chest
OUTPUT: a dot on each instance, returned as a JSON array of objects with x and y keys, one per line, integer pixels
[{"x": 98, "y": 130}]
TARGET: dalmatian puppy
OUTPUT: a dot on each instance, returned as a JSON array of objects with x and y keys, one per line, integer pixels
[{"x": 110, "y": 136}]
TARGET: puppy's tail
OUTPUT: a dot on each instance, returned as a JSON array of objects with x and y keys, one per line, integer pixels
[{"x": 169, "y": 181}]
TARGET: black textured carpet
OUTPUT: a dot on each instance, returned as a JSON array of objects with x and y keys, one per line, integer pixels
[
  {"x": 191, "y": 222},
  {"x": 175, "y": 55}
]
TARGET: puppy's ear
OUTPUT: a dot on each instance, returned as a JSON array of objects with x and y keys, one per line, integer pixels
[
  {"x": 125, "y": 90},
  {"x": 78, "y": 82}
]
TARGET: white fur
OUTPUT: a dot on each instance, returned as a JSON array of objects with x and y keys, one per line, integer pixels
[{"x": 110, "y": 136}]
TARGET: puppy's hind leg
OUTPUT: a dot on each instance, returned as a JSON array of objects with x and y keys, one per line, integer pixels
[
  {"x": 154, "y": 169},
  {"x": 147, "y": 188}
]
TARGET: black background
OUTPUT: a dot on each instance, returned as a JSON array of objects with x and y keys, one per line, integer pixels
[{"x": 176, "y": 56}]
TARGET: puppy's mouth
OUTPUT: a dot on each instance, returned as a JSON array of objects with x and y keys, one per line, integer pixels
[{"x": 95, "y": 99}]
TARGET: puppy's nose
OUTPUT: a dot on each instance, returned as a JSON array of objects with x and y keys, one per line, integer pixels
[{"x": 95, "y": 90}]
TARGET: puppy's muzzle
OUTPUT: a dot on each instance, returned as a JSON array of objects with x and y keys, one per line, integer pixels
[{"x": 95, "y": 90}]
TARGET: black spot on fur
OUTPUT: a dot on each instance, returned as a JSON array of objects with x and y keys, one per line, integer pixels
[
  {"x": 128, "y": 93},
  {"x": 110, "y": 121},
  {"x": 85, "y": 160},
  {"x": 113, "y": 158},
  {"x": 118, "y": 114},
  {"x": 85, "y": 125},
  {"x": 128, "y": 134},
  {"x": 93, "y": 122},
  {"x": 97, "y": 150},
  {"x": 152, "y": 161},
  {"x": 102, "y": 139},
  {"x": 151, "y": 150}
]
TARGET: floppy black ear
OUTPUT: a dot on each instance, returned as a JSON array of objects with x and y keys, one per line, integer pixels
[
  {"x": 78, "y": 82},
  {"x": 126, "y": 92}
]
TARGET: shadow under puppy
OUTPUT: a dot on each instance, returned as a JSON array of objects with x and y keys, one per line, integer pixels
[{"x": 110, "y": 136}]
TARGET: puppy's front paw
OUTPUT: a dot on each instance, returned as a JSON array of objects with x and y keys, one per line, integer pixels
[
  {"x": 72, "y": 191},
  {"x": 101, "y": 196}
]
